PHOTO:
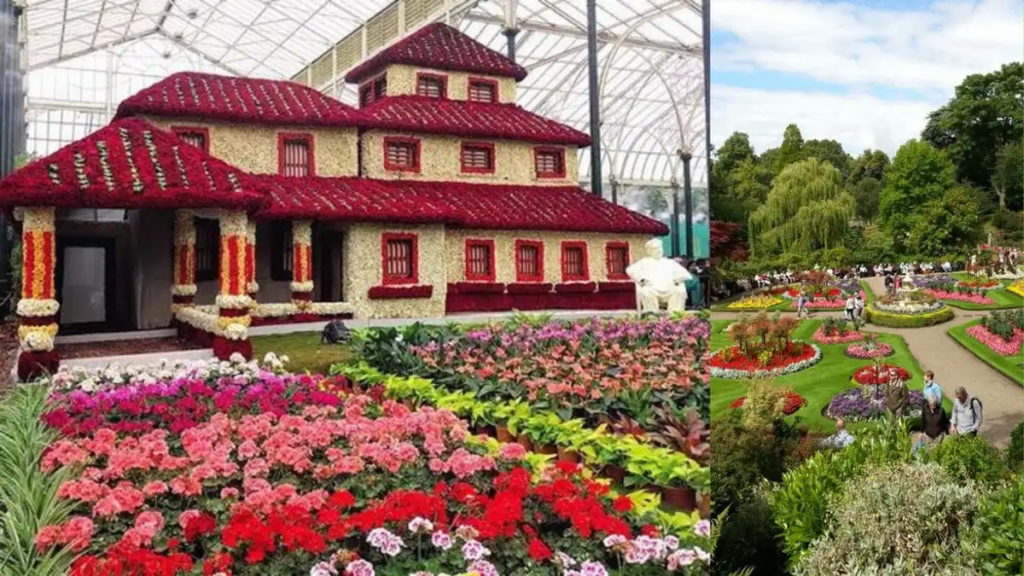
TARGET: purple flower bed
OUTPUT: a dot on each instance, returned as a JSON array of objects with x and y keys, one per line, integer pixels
[
  {"x": 933, "y": 280},
  {"x": 859, "y": 404}
]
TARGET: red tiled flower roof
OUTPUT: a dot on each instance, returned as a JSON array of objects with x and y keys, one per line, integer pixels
[
  {"x": 442, "y": 47},
  {"x": 233, "y": 99},
  {"x": 501, "y": 207},
  {"x": 471, "y": 119},
  {"x": 129, "y": 164}
]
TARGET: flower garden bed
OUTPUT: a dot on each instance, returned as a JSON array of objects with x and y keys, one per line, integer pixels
[
  {"x": 936, "y": 315},
  {"x": 867, "y": 352},
  {"x": 862, "y": 404},
  {"x": 836, "y": 336},
  {"x": 731, "y": 363},
  {"x": 759, "y": 301},
  {"x": 996, "y": 343},
  {"x": 878, "y": 375},
  {"x": 969, "y": 297},
  {"x": 1017, "y": 287},
  {"x": 241, "y": 469},
  {"x": 793, "y": 403}
]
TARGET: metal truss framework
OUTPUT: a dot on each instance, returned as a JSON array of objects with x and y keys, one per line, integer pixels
[{"x": 651, "y": 68}]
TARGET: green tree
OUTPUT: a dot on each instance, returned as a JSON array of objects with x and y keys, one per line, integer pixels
[
  {"x": 865, "y": 194},
  {"x": 734, "y": 150},
  {"x": 829, "y": 151},
  {"x": 985, "y": 114},
  {"x": 1008, "y": 176},
  {"x": 918, "y": 175},
  {"x": 769, "y": 156},
  {"x": 791, "y": 149},
  {"x": 806, "y": 210},
  {"x": 948, "y": 224},
  {"x": 750, "y": 181},
  {"x": 870, "y": 164}
]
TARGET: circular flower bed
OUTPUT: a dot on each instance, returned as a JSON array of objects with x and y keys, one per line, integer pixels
[
  {"x": 732, "y": 364},
  {"x": 755, "y": 302},
  {"x": 867, "y": 351},
  {"x": 859, "y": 404},
  {"x": 793, "y": 403},
  {"x": 872, "y": 376},
  {"x": 909, "y": 308},
  {"x": 898, "y": 320},
  {"x": 835, "y": 337}
]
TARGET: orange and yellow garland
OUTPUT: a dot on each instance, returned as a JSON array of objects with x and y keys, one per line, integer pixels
[
  {"x": 302, "y": 264},
  {"x": 250, "y": 260},
  {"x": 184, "y": 289},
  {"x": 38, "y": 306}
]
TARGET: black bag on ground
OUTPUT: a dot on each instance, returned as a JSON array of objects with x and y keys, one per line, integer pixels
[{"x": 334, "y": 332}]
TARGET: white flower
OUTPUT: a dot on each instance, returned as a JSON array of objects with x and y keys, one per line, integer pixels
[
  {"x": 236, "y": 358},
  {"x": 614, "y": 540},
  {"x": 474, "y": 550},
  {"x": 593, "y": 569},
  {"x": 702, "y": 555},
  {"x": 564, "y": 560},
  {"x": 703, "y": 528},
  {"x": 671, "y": 542},
  {"x": 441, "y": 540},
  {"x": 360, "y": 568},
  {"x": 420, "y": 524},
  {"x": 683, "y": 557},
  {"x": 323, "y": 569}
]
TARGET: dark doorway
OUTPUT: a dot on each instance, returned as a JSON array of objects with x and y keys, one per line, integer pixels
[
  {"x": 330, "y": 266},
  {"x": 86, "y": 284}
]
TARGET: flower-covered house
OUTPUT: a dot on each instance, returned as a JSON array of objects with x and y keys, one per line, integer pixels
[{"x": 216, "y": 203}]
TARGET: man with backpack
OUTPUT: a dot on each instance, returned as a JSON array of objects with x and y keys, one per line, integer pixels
[{"x": 966, "y": 414}]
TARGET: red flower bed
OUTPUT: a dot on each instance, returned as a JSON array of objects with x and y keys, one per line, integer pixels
[
  {"x": 575, "y": 288},
  {"x": 476, "y": 288},
  {"x": 793, "y": 403},
  {"x": 795, "y": 352},
  {"x": 396, "y": 292},
  {"x": 616, "y": 287},
  {"x": 832, "y": 293},
  {"x": 869, "y": 376}
]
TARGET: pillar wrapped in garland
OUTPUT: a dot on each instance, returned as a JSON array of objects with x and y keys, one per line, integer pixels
[
  {"x": 37, "y": 309},
  {"x": 302, "y": 267},
  {"x": 250, "y": 261},
  {"x": 183, "y": 292},
  {"x": 233, "y": 302}
]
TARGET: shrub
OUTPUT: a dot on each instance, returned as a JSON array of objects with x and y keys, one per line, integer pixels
[
  {"x": 891, "y": 320},
  {"x": 1015, "y": 451},
  {"x": 764, "y": 405},
  {"x": 741, "y": 458},
  {"x": 750, "y": 539},
  {"x": 969, "y": 458},
  {"x": 902, "y": 518},
  {"x": 994, "y": 548}
]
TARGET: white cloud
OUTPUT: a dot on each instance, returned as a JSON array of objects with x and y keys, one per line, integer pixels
[{"x": 927, "y": 51}]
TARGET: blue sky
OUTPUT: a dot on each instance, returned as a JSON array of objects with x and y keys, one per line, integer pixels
[{"x": 864, "y": 72}]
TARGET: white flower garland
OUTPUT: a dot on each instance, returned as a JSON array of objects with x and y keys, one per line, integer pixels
[
  {"x": 183, "y": 289},
  {"x": 236, "y": 331},
  {"x": 184, "y": 228},
  {"x": 198, "y": 318},
  {"x": 301, "y": 286},
  {"x": 39, "y": 219},
  {"x": 230, "y": 302},
  {"x": 39, "y": 339},
  {"x": 331, "y": 308},
  {"x": 733, "y": 374},
  {"x": 273, "y": 310},
  {"x": 233, "y": 224},
  {"x": 34, "y": 308},
  {"x": 302, "y": 232}
]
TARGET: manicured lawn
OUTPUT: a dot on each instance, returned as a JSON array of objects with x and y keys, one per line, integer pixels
[
  {"x": 304, "y": 351},
  {"x": 1008, "y": 365},
  {"x": 817, "y": 384},
  {"x": 869, "y": 294}
]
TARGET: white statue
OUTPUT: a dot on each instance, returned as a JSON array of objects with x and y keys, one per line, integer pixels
[{"x": 658, "y": 280}]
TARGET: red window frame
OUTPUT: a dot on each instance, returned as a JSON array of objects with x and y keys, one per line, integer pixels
[
  {"x": 417, "y": 144},
  {"x": 489, "y": 246},
  {"x": 367, "y": 98},
  {"x": 538, "y": 150},
  {"x": 473, "y": 169},
  {"x": 608, "y": 249},
  {"x": 522, "y": 276},
  {"x": 388, "y": 279},
  {"x": 443, "y": 79},
  {"x": 582, "y": 246},
  {"x": 179, "y": 130},
  {"x": 283, "y": 138},
  {"x": 495, "y": 97}
]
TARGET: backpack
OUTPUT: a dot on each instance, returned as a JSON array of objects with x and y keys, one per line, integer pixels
[
  {"x": 974, "y": 413},
  {"x": 334, "y": 332}
]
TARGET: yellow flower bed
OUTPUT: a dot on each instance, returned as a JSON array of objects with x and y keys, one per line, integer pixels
[
  {"x": 1017, "y": 287},
  {"x": 758, "y": 301}
]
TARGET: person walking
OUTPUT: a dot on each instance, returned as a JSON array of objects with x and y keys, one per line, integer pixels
[
  {"x": 858, "y": 306},
  {"x": 934, "y": 420},
  {"x": 850, "y": 306},
  {"x": 801, "y": 305},
  {"x": 931, "y": 387},
  {"x": 966, "y": 414},
  {"x": 897, "y": 397}
]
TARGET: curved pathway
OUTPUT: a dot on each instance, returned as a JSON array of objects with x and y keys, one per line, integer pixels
[{"x": 953, "y": 366}]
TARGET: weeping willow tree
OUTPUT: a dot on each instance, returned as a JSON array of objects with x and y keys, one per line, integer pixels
[{"x": 806, "y": 210}]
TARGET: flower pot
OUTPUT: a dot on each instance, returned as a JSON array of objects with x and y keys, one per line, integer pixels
[
  {"x": 679, "y": 498},
  {"x": 615, "y": 473},
  {"x": 503, "y": 434},
  {"x": 524, "y": 440},
  {"x": 568, "y": 455},
  {"x": 545, "y": 449},
  {"x": 604, "y": 419},
  {"x": 704, "y": 504}
]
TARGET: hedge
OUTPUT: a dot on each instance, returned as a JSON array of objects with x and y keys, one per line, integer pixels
[{"x": 891, "y": 320}]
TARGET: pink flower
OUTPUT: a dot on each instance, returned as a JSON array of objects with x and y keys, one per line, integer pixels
[
  {"x": 228, "y": 493},
  {"x": 47, "y": 537},
  {"x": 996, "y": 343},
  {"x": 512, "y": 451},
  {"x": 187, "y": 516},
  {"x": 150, "y": 522},
  {"x": 77, "y": 533},
  {"x": 154, "y": 488}
]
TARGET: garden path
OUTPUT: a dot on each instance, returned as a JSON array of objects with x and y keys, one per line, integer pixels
[{"x": 953, "y": 366}]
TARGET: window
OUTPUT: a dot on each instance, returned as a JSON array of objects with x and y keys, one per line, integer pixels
[
  {"x": 198, "y": 137},
  {"x": 617, "y": 259},
  {"x": 550, "y": 162},
  {"x": 481, "y": 90},
  {"x": 431, "y": 85},
  {"x": 281, "y": 250},
  {"x": 207, "y": 249},
  {"x": 402, "y": 154},
  {"x": 529, "y": 261},
  {"x": 477, "y": 158},
  {"x": 399, "y": 254},
  {"x": 480, "y": 260},
  {"x": 295, "y": 154},
  {"x": 574, "y": 261},
  {"x": 373, "y": 90}
]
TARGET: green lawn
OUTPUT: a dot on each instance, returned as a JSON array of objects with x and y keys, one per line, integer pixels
[
  {"x": 1008, "y": 365},
  {"x": 817, "y": 384},
  {"x": 304, "y": 351},
  {"x": 1003, "y": 298}
]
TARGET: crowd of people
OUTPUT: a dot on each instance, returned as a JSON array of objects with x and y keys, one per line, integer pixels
[{"x": 936, "y": 424}]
